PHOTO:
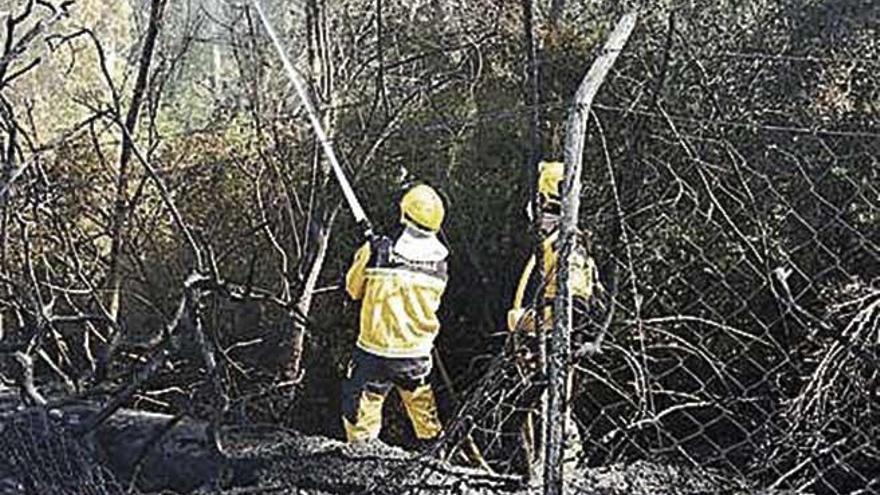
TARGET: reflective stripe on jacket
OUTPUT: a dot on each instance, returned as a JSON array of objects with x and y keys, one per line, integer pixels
[
  {"x": 583, "y": 270},
  {"x": 400, "y": 294}
]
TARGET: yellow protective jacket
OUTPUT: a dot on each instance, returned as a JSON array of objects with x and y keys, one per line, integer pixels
[
  {"x": 581, "y": 277},
  {"x": 400, "y": 283}
]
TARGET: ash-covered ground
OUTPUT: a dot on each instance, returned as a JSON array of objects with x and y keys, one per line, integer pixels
[
  {"x": 43, "y": 451},
  {"x": 297, "y": 464}
]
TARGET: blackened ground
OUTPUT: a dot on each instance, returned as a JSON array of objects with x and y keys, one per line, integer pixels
[
  {"x": 41, "y": 453},
  {"x": 299, "y": 464}
]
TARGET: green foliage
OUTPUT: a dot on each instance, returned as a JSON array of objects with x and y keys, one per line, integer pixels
[{"x": 738, "y": 143}]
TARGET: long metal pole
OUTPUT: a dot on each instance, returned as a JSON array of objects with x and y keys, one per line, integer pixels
[{"x": 299, "y": 84}]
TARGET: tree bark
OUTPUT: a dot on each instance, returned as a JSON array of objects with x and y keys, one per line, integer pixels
[
  {"x": 217, "y": 13},
  {"x": 304, "y": 303},
  {"x": 556, "y": 8},
  {"x": 531, "y": 445},
  {"x": 560, "y": 341},
  {"x": 322, "y": 70},
  {"x": 120, "y": 213}
]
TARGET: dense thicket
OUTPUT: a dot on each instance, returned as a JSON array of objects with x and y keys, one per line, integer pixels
[{"x": 731, "y": 199}]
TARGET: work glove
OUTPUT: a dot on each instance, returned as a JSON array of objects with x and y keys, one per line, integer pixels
[{"x": 366, "y": 229}]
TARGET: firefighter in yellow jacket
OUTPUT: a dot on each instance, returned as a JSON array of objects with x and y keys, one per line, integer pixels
[
  {"x": 399, "y": 281},
  {"x": 583, "y": 276},
  {"x": 583, "y": 279}
]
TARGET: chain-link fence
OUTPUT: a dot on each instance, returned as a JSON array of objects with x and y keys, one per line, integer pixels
[
  {"x": 733, "y": 204},
  {"x": 40, "y": 455}
]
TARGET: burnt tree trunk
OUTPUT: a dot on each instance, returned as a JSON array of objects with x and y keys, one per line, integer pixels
[
  {"x": 559, "y": 348},
  {"x": 320, "y": 58},
  {"x": 532, "y": 446},
  {"x": 121, "y": 206}
]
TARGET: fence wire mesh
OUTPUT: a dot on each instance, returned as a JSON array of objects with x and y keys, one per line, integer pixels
[
  {"x": 39, "y": 455},
  {"x": 733, "y": 204}
]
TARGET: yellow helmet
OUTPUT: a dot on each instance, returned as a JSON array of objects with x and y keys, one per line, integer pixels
[
  {"x": 422, "y": 207},
  {"x": 550, "y": 176}
]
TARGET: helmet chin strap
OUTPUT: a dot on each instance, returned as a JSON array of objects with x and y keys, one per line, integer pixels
[
  {"x": 416, "y": 228},
  {"x": 549, "y": 221}
]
